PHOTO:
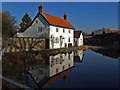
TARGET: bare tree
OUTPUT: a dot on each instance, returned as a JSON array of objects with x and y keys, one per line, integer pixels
[{"x": 8, "y": 25}]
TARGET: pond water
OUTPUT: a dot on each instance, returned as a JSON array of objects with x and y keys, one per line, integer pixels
[{"x": 77, "y": 69}]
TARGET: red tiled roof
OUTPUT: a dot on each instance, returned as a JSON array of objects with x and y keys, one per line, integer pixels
[
  {"x": 54, "y": 78},
  {"x": 87, "y": 36},
  {"x": 77, "y": 34},
  {"x": 56, "y": 21},
  {"x": 112, "y": 31},
  {"x": 52, "y": 20}
]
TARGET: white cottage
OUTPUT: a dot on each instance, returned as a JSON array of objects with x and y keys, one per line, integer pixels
[
  {"x": 78, "y": 38},
  {"x": 59, "y": 31}
]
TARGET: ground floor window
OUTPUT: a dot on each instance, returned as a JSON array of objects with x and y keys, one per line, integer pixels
[
  {"x": 57, "y": 40},
  {"x": 69, "y": 39}
]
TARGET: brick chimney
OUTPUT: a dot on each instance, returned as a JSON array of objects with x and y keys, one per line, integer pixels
[
  {"x": 40, "y": 8},
  {"x": 65, "y": 16}
]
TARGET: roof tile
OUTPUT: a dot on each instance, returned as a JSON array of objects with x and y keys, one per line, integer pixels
[
  {"x": 56, "y": 21},
  {"x": 77, "y": 34}
]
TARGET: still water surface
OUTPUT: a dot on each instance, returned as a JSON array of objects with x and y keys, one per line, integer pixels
[{"x": 77, "y": 69}]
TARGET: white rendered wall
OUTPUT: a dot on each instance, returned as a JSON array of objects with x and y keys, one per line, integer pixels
[
  {"x": 79, "y": 40},
  {"x": 66, "y": 35}
]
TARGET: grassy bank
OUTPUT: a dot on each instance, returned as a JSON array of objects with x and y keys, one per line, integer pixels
[{"x": 62, "y": 50}]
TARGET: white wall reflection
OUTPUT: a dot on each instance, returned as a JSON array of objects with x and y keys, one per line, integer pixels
[
  {"x": 60, "y": 62},
  {"x": 78, "y": 56},
  {"x": 55, "y": 65}
]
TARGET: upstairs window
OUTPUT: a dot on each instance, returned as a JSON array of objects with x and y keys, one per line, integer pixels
[
  {"x": 36, "y": 21},
  {"x": 69, "y": 31},
  {"x": 69, "y": 39},
  {"x": 39, "y": 29},
  {"x": 56, "y": 29},
  {"x": 63, "y": 30}
]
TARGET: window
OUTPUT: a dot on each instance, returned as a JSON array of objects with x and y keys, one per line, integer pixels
[
  {"x": 63, "y": 30},
  {"x": 68, "y": 56},
  {"x": 69, "y": 39},
  {"x": 40, "y": 72},
  {"x": 36, "y": 21},
  {"x": 63, "y": 67},
  {"x": 39, "y": 29},
  {"x": 56, "y": 29},
  {"x": 57, "y": 40},
  {"x": 68, "y": 65},
  {"x": 69, "y": 31},
  {"x": 56, "y": 70}
]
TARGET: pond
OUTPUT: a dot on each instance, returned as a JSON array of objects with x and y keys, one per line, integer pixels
[{"x": 76, "y": 69}]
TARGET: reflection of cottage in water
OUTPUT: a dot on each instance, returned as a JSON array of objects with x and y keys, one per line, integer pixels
[
  {"x": 57, "y": 66},
  {"x": 78, "y": 56}
]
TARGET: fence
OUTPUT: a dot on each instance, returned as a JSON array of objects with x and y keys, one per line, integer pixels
[{"x": 17, "y": 44}]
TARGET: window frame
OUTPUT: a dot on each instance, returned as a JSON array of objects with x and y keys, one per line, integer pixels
[{"x": 39, "y": 29}]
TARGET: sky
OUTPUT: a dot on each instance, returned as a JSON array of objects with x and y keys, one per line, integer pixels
[{"x": 85, "y": 16}]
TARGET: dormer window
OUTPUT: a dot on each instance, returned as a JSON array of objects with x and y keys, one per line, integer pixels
[{"x": 36, "y": 21}]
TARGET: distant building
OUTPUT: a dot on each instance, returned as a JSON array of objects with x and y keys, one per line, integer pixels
[
  {"x": 104, "y": 31},
  {"x": 110, "y": 31},
  {"x": 106, "y": 39},
  {"x": 78, "y": 38},
  {"x": 19, "y": 33}
]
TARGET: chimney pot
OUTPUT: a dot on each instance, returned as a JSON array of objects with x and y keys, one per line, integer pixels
[
  {"x": 40, "y": 8},
  {"x": 65, "y": 16}
]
